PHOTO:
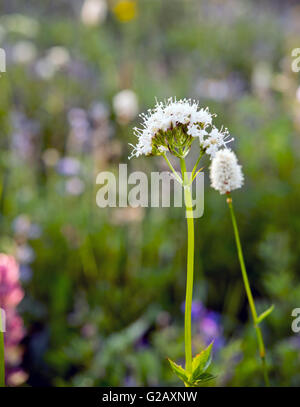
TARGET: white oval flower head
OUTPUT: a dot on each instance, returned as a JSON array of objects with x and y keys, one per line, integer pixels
[
  {"x": 173, "y": 125},
  {"x": 225, "y": 172},
  {"x": 93, "y": 12},
  {"x": 24, "y": 52},
  {"x": 125, "y": 104}
]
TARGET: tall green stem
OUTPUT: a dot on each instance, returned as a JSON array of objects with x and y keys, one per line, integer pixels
[
  {"x": 190, "y": 268},
  {"x": 260, "y": 340},
  {"x": 2, "y": 361}
]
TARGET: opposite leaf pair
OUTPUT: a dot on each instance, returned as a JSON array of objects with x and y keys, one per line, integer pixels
[{"x": 200, "y": 364}]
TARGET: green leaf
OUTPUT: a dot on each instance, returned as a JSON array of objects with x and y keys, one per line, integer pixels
[
  {"x": 178, "y": 370},
  {"x": 205, "y": 377},
  {"x": 201, "y": 362},
  {"x": 265, "y": 314}
]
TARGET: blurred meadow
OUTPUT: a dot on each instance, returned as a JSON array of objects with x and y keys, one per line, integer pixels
[{"x": 104, "y": 288}]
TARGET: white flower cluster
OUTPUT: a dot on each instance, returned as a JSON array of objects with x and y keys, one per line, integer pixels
[
  {"x": 183, "y": 115},
  {"x": 225, "y": 172}
]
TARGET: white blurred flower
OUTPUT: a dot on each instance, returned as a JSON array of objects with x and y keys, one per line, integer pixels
[
  {"x": 93, "y": 12},
  {"x": 50, "y": 157},
  {"x": 45, "y": 68},
  {"x": 17, "y": 377},
  {"x": 261, "y": 77},
  {"x": 75, "y": 186},
  {"x": 125, "y": 104},
  {"x": 298, "y": 94},
  {"x": 219, "y": 89},
  {"x": 21, "y": 24},
  {"x": 24, "y": 52},
  {"x": 58, "y": 56},
  {"x": 225, "y": 172}
]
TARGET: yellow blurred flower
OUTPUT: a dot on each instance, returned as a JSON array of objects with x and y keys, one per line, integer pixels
[{"x": 125, "y": 10}]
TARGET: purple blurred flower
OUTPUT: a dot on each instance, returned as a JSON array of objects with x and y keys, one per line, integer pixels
[
  {"x": 14, "y": 328},
  {"x": 77, "y": 118},
  {"x": 99, "y": 112},
  {"x": 25, "y": 272},
  {"x": 24, "y": 135},
  {"x": 35, "y": 231},
  {"x": 208, "y": 324},
  {"x": 197, "y": 310},
  {"x": 23, "y": 227},
  {"x": 79, "y": 124},
  {"x": 25, "y": 254},
  {"x": 142, "y": 342},
  {"x": 211, "y": 329},
  {"x": 130, "y": 381},
  {"x": 68, "y": 166}
]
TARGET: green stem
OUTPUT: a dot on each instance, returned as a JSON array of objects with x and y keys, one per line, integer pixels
[
  {"x": 2, "y": 361},
  {"x": 190, "y": 268},
  {"x": 260, "y": 340},
  {"x": 196, "y": 165}
]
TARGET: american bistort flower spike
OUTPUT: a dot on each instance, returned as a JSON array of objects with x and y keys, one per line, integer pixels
[{"x": 225, "y": 172}]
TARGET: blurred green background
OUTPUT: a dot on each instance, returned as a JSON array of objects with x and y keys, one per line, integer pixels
[{"x": 104, "y": 288}]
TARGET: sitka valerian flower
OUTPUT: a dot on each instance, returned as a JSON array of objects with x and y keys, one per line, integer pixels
[
  {"x": 225, "y": 172},
  {"x": 174, "y": 125}
]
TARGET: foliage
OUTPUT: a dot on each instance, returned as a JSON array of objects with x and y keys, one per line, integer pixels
[{"x": 104, "y": 287}]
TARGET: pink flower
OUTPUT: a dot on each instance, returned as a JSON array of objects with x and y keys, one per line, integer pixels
[
  {"x": 9, "y": 269},
  {"x": 11, "y": 294},
  {"x": 14, "y": 329}
]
